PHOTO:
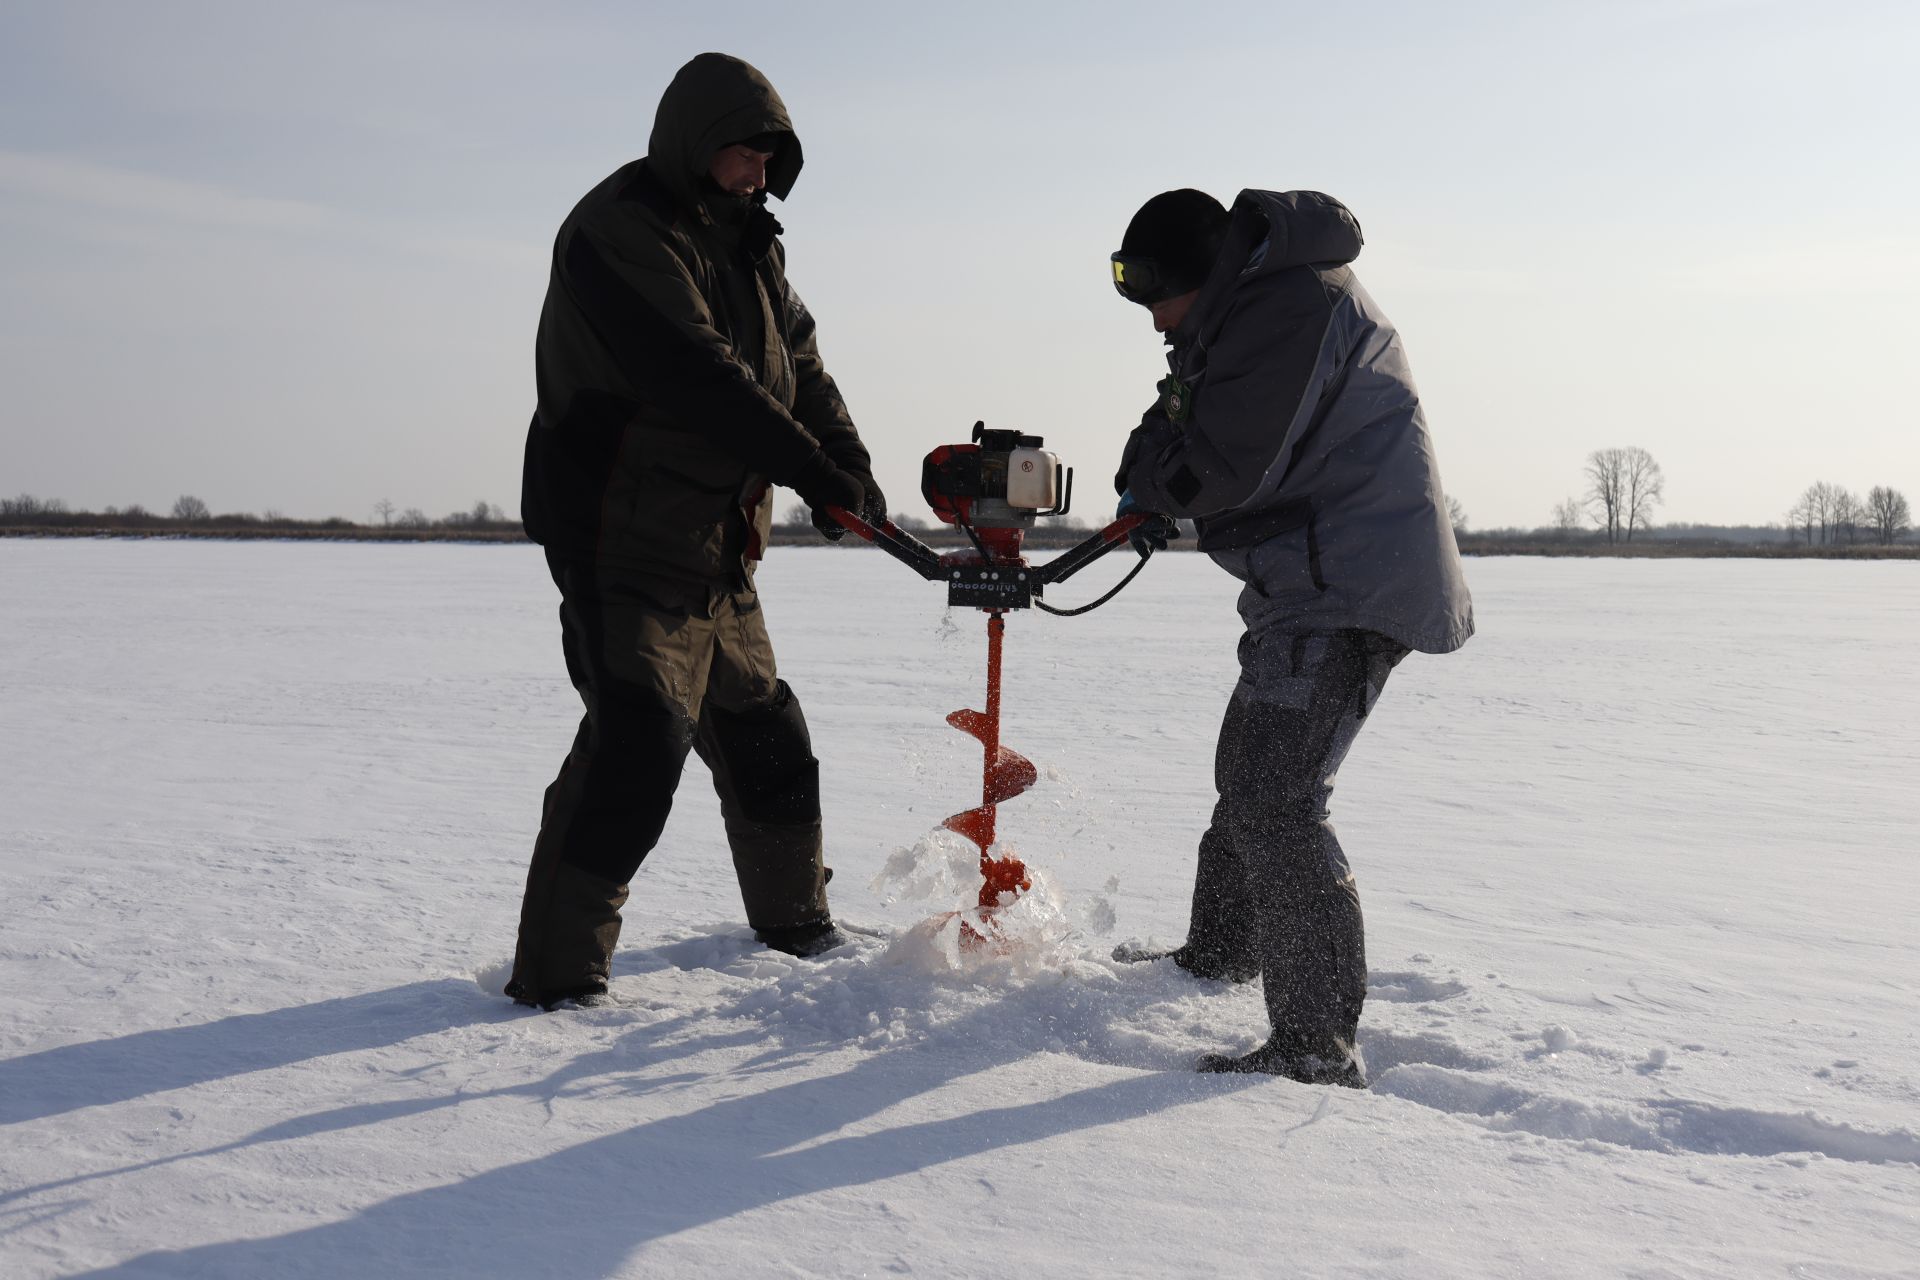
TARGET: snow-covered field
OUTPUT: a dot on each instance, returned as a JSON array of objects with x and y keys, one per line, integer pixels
[{"x": 1639, "y": 867}]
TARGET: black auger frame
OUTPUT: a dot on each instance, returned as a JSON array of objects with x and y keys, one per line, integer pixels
[{"x": 976, "y": 580}]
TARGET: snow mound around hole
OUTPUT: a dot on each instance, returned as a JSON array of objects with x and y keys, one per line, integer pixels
[
  {"x": 1025, "y": 937},
  {"x": 492, "y": 978}
]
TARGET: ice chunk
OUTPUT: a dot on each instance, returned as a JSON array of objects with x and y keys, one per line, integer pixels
[{"x": 942, "y": 866}]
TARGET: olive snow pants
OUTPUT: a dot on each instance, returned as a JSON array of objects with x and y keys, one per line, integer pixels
[
  {"x": 1273, "y": 890},
  {"x": 664, "y": 668}
]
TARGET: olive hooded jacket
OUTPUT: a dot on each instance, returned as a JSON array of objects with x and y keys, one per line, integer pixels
[
  {"x": 1291, "y": 433},
  {"x": 677, "y": 371}
]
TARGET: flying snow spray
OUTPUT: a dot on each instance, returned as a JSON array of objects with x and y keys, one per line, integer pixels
[{"x": 994, "y": 489}]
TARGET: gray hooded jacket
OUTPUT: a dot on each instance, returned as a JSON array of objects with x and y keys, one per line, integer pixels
[{"x": 1291, "y": 433}]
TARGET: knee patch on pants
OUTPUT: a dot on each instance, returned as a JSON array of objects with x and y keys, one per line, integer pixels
[{"x": 769, "y": 761}]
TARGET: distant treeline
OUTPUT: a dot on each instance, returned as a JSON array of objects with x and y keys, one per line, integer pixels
[
  {"x": 27, "y": 516},
  {"x": 1680, "y": 540},
  {"x": 190, "y": 517},
  {"x": 1656, "y": 544}
]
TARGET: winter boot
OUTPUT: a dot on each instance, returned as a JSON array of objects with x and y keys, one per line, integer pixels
[
  {"x": 1208, "y": 965},
  {"x": 585, "y": 1000},
  {"x": 569, "y": 925},
  {"x": 1333, "y": 1061},
  {"x": 584, "y": 996},
  {"x": 806, "y": 941}
]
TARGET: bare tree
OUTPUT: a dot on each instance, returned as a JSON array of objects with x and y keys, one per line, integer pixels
[
  {"x": 482, "y": 514},
  {"x": 27, "y": 509},
  {"x": 1456, "y": 515},
  {"x": 1607, "y": 489},
  {"x": 1800, "y": 518},
  {"x": 1848, "y": 514},
  {"x": 1607, "y": 502},
  {"x": 1568, "y": 518},
  {"x": 1645, "y": 489},
  {"x": 189, "y": 509},
  {"x": 1888, "y": 514},
  {"x": 384, "y": 509},
  {"x": 1623, "y": 487},
  {"x": 1821, "y": 498},
  {"x": 414, "y": 518}
]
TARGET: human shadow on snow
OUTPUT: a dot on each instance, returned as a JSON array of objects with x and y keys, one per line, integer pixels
[
  {"x": 97, "y": 1072},
  {"x": 584, "y": 1067},
  {"x": 678, "y": 1172}
]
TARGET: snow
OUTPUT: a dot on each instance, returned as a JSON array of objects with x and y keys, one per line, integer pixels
[{"x": 1638, "y": 867}]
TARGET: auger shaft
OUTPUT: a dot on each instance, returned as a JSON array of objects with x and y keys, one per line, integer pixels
[
  {"x": 990, "y": 742},
  {"x": 1004, "y": 775}
]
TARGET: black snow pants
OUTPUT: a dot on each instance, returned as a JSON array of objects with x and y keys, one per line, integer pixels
[
  {"x": 664, "y": 668},
  {"x": 1273, "y": 890}
]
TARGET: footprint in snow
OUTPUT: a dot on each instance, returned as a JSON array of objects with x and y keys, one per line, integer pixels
[
  {"x": 1671, "y": 1126},
  {"x": 1412, "y": 988},
  {"x": 1384, "y": 1050}
]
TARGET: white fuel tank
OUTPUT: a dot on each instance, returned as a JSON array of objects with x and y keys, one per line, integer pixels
[{"x": 1033, "y": 479}]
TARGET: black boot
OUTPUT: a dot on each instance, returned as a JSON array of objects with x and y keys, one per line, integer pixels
[
  {"x": 1332, "y": 1061},
  {"x": 569, "y": 925},
  {"x": 1208, "y": 965},
  {"x": 807, "y": 941},
  {"x": 585, "y": 996}
]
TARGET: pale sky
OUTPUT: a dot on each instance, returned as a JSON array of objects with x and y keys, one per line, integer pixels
[{"x": 291, "y": 256}]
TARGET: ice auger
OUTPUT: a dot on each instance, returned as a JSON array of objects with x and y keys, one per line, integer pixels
[{"x": 993, "y": 489}]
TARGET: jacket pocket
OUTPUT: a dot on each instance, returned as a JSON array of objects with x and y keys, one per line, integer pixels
[
  {"x": 681, "y": 476},
  {"x": 677, "y": 498},
  {"x": 677, "y": 502},
  {"x": 1287, "y": 563}
]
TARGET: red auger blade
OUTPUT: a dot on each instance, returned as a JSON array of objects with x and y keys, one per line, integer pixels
[
  {"x": 1010, "y": 773},
  {"x": 975, "y": 824},
  {"x": 973, "y": 722},
  {"x": 1002, "y": 876}
]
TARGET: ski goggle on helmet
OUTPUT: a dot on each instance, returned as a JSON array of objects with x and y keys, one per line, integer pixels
[
  {"x": 1144, "y": 279},
  {"x": 1169, "y": 246}
]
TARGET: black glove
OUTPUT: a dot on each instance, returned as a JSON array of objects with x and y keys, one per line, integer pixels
[
  {"x": 820, "y": 485},
  {"x": 851, "y": 456},
  {"x": 1153, "y": 535},
  {"x": 874, "y": 507},
  {"x": 1150, "y": 535}
]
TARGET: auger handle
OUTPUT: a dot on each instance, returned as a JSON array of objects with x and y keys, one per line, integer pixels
[
  {"x": 1079, "y": 556},
  {"x": 896, "y": 542}
]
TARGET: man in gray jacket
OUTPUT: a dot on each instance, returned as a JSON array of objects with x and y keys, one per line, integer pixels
[{"x": 1288, "y": 429}]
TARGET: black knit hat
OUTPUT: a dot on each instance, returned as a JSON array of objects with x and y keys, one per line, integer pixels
[{"x": 1182, "y": 231}]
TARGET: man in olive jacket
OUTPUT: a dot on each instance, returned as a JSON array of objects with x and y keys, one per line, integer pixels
[
  {"x": 679, "y": 381},
  {"x": 1290, "y": 432}
]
